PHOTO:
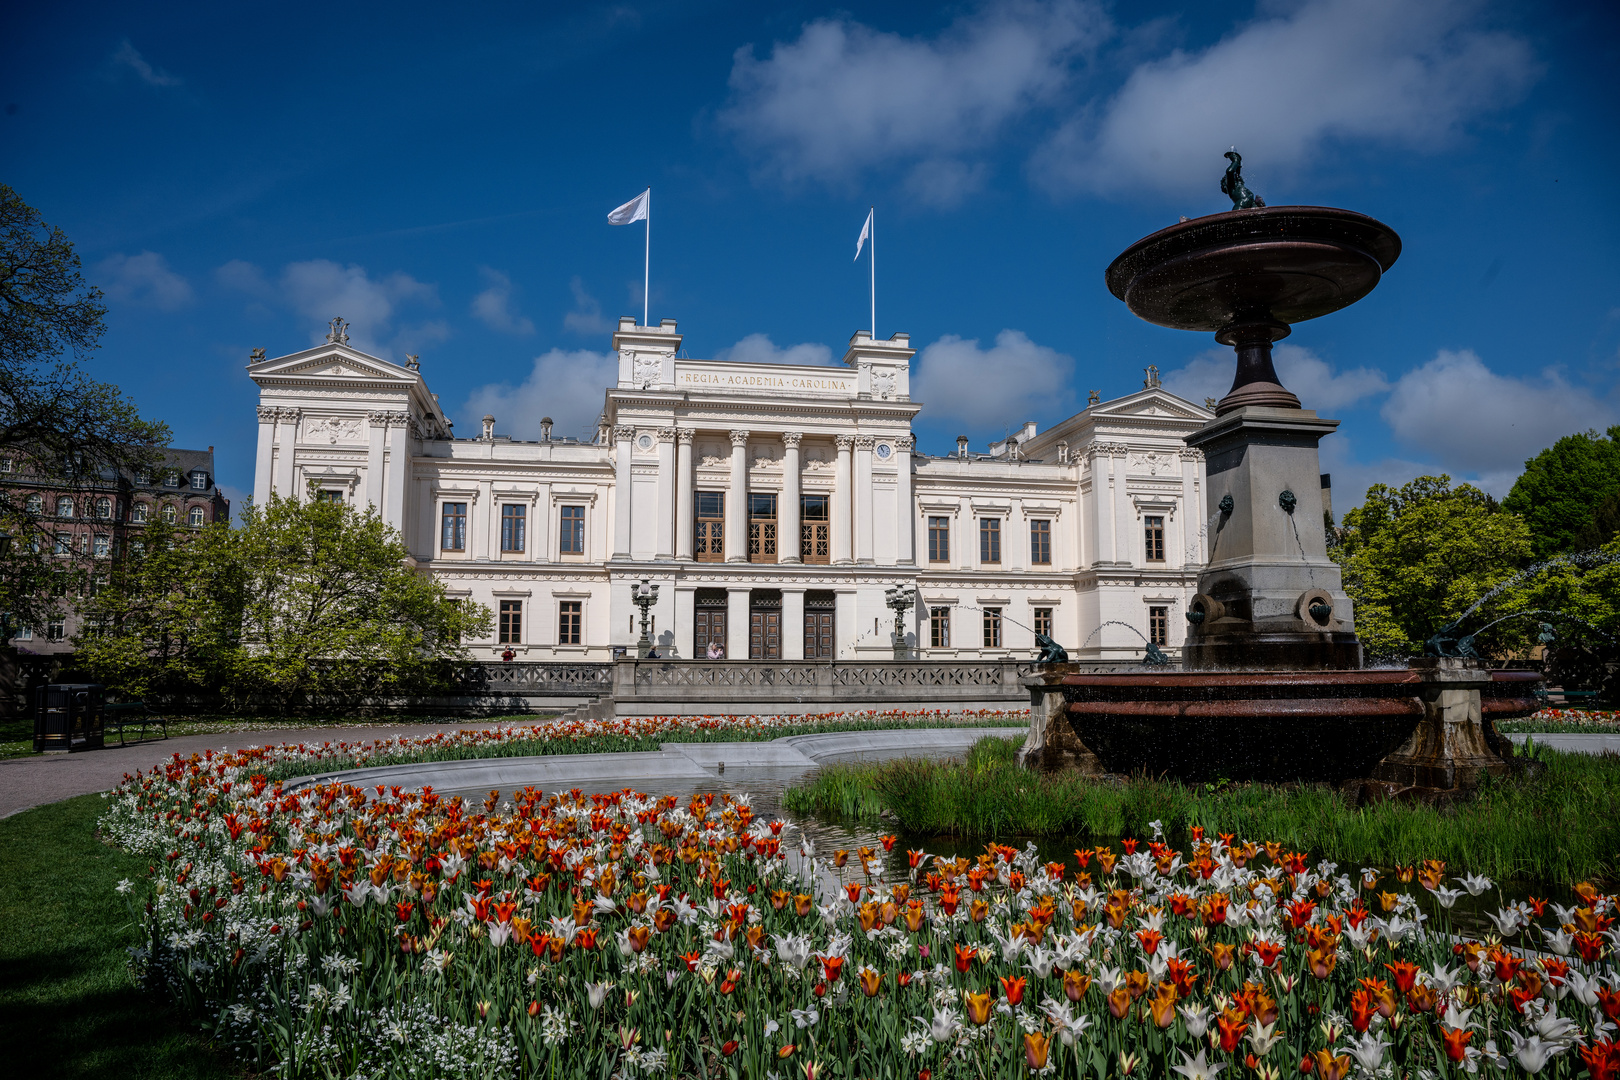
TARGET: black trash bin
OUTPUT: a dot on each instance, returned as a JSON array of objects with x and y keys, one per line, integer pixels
[{"x": 68, "y": 716}]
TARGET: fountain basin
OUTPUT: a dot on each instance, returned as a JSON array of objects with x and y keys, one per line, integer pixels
[{"x": 1272, "y": 726}]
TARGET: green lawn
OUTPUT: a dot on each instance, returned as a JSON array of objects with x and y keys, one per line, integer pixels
[{"x": 67, "y": 1005}]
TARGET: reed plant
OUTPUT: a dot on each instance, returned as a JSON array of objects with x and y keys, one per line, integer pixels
[{"x": 1558, "y": 825}]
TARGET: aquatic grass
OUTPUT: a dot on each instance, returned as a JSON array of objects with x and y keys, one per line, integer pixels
[{"x": 1560, "y": 826}]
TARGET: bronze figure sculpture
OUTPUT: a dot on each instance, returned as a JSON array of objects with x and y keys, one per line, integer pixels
[{"x": 1232, "y": 185}]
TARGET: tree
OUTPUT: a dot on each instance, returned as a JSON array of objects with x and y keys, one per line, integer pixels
[
  {"x": 1415, "y": 559},
  {"x": 306, "y": 602},
  {"x": 51, "y": 410},
  {"x": 1563, "y": 487}
]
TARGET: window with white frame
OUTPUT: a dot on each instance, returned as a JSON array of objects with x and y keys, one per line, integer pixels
[
  {"x": 64, "y": 507},
  {"x": 103, "y": 546},
  {"x": 104, "y": 508},
  {"x": 36, "y": 504},
  {"x": 170, "y": 514},
  {"x": 194, "y": 517},
  {"x": 199, "y": 481},
  {"x": 139, "y": 512}
]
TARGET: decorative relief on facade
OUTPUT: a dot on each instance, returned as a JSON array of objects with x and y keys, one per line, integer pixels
[
  {"x": 647, "y": 368},
  {"x": 713, "y": 454},
  {"x": 1155, "y": 463},
  {"x": 767, "y": 456},
  {"x": 883, "y": 383},
  {"x": 332, "y": 429},
  {"x": 818, "y": 459}
]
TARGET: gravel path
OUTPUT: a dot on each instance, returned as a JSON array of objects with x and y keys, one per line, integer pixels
[{"x": 47, "y": 778}]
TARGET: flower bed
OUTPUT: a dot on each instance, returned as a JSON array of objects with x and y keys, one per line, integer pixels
[
  {"x": 340, "y": 931},
  {"x": 1574, "y": 720},
  {"x": 614, "y": 734}
]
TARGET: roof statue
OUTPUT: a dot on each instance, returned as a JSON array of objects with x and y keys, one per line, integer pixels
[
  {"x": 339, "y": 332},
  {"x": 1232, "y": 184},
  {"x": 1151, "y": 382}
]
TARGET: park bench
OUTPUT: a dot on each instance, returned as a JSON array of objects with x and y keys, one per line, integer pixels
[
  {"x": 1569, "y": 697},
  {"x": 126, "y": 714}
]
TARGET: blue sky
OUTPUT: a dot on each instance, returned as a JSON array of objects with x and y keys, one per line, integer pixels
[{"x": 235, "y": 175}]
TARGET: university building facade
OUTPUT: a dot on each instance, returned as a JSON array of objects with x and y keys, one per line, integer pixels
[{"x": 774, "y": 506}]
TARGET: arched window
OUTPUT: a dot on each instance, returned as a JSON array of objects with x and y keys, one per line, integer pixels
[
  {"x": 104, "y": 508},
  {"x": 64, "y": 507},
  {"x": 169, "y": 514},
  {"x": 194, "y": 517},
  {"x": 36, "y": 504},
  {"x": 139, "y": 511}
]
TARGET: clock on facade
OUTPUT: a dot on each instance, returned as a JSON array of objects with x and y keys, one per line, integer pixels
[
  {"x": 883, "y": 451},
  {"x": 645, "y": 442}
]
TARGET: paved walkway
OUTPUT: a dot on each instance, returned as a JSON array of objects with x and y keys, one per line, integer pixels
[
  {"x": 1579, "y": 744},
  {"x": 47, "y": 778}
]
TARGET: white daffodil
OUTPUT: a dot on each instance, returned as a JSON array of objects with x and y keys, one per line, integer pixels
[
  {"x": 1532, "y": 1053},
  {"x": 1368, "y": 1050},
  {"x": 1446, "y": 897},
  {"x": 1196, "y": 1018},
  {"x": 1263, "y": 1037},
  {"x": 596, "y": 993},
  {"x": 1474, "y": 883},
  {"x": 1559, "y": 941},
  {"x": 944, "y": 1025}
]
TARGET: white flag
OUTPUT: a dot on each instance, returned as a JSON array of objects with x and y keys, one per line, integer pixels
[
  {"x": 866, "y": 231},
  {"x": 634, "y": 210}
]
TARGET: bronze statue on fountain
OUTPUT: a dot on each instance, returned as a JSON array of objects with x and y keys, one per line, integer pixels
[{"x": 1272, "y": 685}]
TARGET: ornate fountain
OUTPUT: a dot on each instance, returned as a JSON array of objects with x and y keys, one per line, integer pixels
[{"x": 1272, "y": 685}]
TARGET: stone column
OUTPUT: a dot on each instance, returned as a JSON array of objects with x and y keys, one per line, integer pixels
[
  {"x": 841, "y": 535},
  {"x": 863, "y": 498},
  {"x": 736, "y": 624},
  {"x": 372, "y": 492},
  {"x": 667, "y": 480},
  {"x": 684, "y": 525},
  {"x": 1128, "y": 542},
  {"x": 540, "y": 527},
  {"x": 905, "y": 510},
  {"x": 396, "y": 469},
  {"x": 792, "y": 624},
  {"x": 622, "y": 438},
  {"x": 262, "y": 465},
  {"x": 737, "y": 501},
  {"x": 286, "y": 442},
  {"x": 1195, "y": 530},
  {"x": 787, "y": 512}
]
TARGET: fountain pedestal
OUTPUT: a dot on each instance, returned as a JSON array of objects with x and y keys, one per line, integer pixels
[
  {"x": 1456, "y": 744},
  {"x": 1269, "y": 597}
]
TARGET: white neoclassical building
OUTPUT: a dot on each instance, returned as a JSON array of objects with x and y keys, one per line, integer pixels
[{"x": 774, "y": 505}]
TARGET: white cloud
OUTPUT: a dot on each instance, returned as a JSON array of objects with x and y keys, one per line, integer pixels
[
  {"x": 1311, "y": 378},
  {"x": 243, "y": 276},
  {"x": 1279, "y": 89},
  {"x": 1476, "y": 422},
  {"x": 1007, "y": 383},
  {"x": 759, "y": 349},
  {"x": 493, "y": 306},
  {"x": 320, "y": 289},
  {"x": 586, "y": 318},
  {"x": 844, "y": 97},
  {"x": 126, "y": 56},
  {"x": 143, "y": 279},
  {"x": 564, "y": 385}
]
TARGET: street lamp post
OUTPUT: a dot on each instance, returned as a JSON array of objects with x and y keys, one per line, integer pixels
[
  {"x": 644, "y": 596},
  {"x": 900, "y": 598}
]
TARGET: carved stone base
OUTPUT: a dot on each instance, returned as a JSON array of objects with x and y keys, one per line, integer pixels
[
  {"x": 1052, "y": 745},
  {"x": 1453, "y": 745}
]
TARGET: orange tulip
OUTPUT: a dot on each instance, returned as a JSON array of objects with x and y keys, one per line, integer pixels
[
  {"x": 1457, "y": 1043},
  {"x": 1329, "y": 1067},
  {"x": 638, "y": 936},
  {"x": 977, "y": 1006},
  {"x": 1162, "y": 1005},
  {"x": 1014, "y": 989},
  {"x": 1119, "y": 1001},
  {"x": 1075, "y": 984},
  {"x": 964, "y": 957},
  {"x": 871, "y": 981},
  {"x": 1221, "y": 955},
  {"x": 1362, "y": 1008},
  {"x": 803, "y": 904},
  {"x": 1322, "y": 961},
  {"x": 1231, "y": 1026},
  {"x": 1036, "y": 1048}
]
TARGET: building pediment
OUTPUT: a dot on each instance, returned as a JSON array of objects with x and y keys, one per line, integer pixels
[
  {"x": 1155, "y": 403},
  {"x": 331, "y": 361}
]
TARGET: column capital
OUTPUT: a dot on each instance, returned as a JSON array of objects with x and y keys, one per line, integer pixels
[
  {"x": 739, "y": 437},
  {"x": 790, "y": 439},
  {"x": 1191, "y": 453},
  {"x": 904, "y": 442},
  {"x": 666, "y": 435},
  {"x": 685, "y": 435},
  {"x": 844, "y": 441},
  {"x": 623, "y": 433},
  {"x": 289, "y": 414},
  {"x": 268, "y": 413},
  {"x": 865, "y": 442}
]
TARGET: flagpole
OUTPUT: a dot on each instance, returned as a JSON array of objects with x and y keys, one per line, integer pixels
[
  {"x": 872, "y": 217},
  {"x": 646, "y": 264}
]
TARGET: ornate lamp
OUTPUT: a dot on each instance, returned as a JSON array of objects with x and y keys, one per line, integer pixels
[
  {"x": 900, "y": 598},
  {"x": 644, "y": 596}
]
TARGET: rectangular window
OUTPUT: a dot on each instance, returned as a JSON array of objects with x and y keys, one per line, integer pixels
[
  {"x": 570, "y": 622},
  {"x": 711, "y": 513},
  {"x": 8, "y": 464},
  {"x": 815, "y": 530},
  {"x": 55, "y": 630},
  {"x": 453, "y": 526},
  {"x": 571, "y": 534},
  {"x": 1040, "y": 543},
  {"x": 990, "y": 540},
  {"x": 331, "y": 495},
  {"x": 199, "y": 481},
  {"x": 939, "y": 539},
  {"x": 939, "y": 627},
  {"x": 64, "y": 544},
  {"x": 99, "y": 582},
  {"x": 762, "y": 526},
  {"x": 511, "y": 622},
  {"x": 1043, "y": 621},
  {"x": 24, "y": 633},
  {"x": 513, "y": 518},
  {"x": 1153, "y": 535},
  {"x": 1159, "y": 625},
  {"x": 992, "y": 628}
]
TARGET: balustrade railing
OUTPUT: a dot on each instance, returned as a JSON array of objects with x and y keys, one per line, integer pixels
[{"x": 802, "y": 681}]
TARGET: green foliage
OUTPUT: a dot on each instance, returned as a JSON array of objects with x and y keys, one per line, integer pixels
[
  {"x": 306, "y": 601},
  {"x": 1562, "y": 488},
  {"x": 1548, "y": 829},
  {"x": 68, "y": 1007},
  {"x": 1416, "y": 558}
]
